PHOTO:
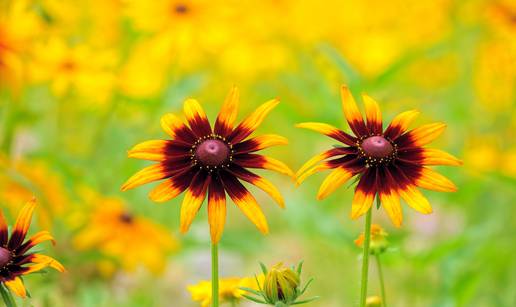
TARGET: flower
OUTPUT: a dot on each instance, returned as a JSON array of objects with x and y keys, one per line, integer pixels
[
  {"x": 390, "y": 162},
  {"x": 378, "y": 243},
  {"x": 200, "y": 160},
  {"x": 15, "y": 260},
  {"x": 374, "y": 301},
  {"x": 113, "y": 230},
  {"x": 281, "y": 286},
  {"x": 229, "y": 289}
]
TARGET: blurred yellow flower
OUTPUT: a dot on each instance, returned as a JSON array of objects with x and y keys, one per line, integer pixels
[
  {"x": 113, "y": 230},
  {"x": 86, "y": 71},
  {"x": 378, "y": 242},
  {"x": 229, "y": 289},
  {"x": 19, "y": 25}
]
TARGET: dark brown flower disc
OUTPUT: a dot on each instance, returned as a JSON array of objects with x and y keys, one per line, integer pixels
[
  {"x": 5, "y": 257},
  {"x": 377, "y": 147},
  {"x": 212, "y": 152}
]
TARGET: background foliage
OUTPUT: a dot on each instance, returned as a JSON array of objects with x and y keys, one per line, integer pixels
[{"x": 83, "y": 81}]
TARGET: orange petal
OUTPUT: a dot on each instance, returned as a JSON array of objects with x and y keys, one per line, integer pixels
[
  {"x": 391, "y": 203},
  {"x": 311, "y": 171},
  {"x": 247, "y": 203},
  {"x": 165, "y": 191},
  {"x": 361, "y": 203},
  {"x": 192, "y": 202},
  {"x": 253, "y": 121},
  {"x": 170, "y": 123},
  {"x": 216, "y": 213},
  {"x": 431, "y": 180},
  {"x": 270, "y": 189},
  {"x": 228, "y": 112},
  {"x": 426, "y": 133},
  {"x": 278, "y": 166},
  {"x": 43, "y": 261},
  {"x": 439, "y": 157},
  {"x": 334, "y": 180},
  {"x": 415, "y": 199},
  {"x": 22, "y": 223},
  {"x": 400, "y": 123},
  {"x": 16, "y": 286},
  {"x": 153, "y": 150},
  {"x": 349, "y": 106},
  {"x": 150, "y": 173},
  {"x": 373, "y": 114}
]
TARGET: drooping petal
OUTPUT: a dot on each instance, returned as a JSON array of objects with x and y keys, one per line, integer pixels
[
  {"x": 364, "y": 193},
  {"x": 39, "y": 237},
  {"x": 431, "y": 180},
  {"x": 22, "y": 224},
  {"x": 433, "y": 156},
  {"x": 312, "y": 170},
  {"x": 3, "y": 229},
  {"x": 351, "y": 112},
  {"x": 330, "y": 131},
  {"x": 400, "y": 124},
  {"x": 171, "y": 187},
  {"x": 216, "y": 209},
  {"x": 264, "y": 162},
  {"x": 334, "y": 180},
  {"x": 228, "y": 113},
  {"x": 245, "y": 202},
  {"x": 259, "y": 143},
  {"x": 415, "y": 199},
  {"x": 258, "y": 181},
  {"x": 196, "y": 118},
  {"x": 252, "y": 122},
  {"x": 41, "y": 262},
  {"x": 373, "y": 115},
  {"x": 176, "y": 129},
  {"x": 421, "y": 136},
  {"x": 148, "y": 174},
  {"x": 325, "y": 155},
  {"x": 391, "y": 203},
  {"x": 193, "y": 200},
  {"x": 16, "y": 286}
]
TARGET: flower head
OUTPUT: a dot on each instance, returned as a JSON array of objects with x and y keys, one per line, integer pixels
[
  {"x": 229, "y": 289},
  {"x": 390, "y": 162},
  {"x": 15, "y": 259},
  {"x": 203, "y": 161},
  {"x": 378, "y": 243},
  {"x": 374, "y": 301},
  {"x": 113, "y": 230}
]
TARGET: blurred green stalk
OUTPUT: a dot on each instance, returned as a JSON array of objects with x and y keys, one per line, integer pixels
[
  {"x": 365, "y": 260},
  {"x": 215, "y": 275},
  {"x": 7, "y": 296},
  {"x": 380, "y": 277}
]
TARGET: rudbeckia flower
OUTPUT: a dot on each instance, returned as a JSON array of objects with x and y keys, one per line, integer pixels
[
  {"x": 230, "y": 289},
  {"x": 15, "y": 258},
  {"x": 202, "y": 160},
  {"x": 390, "y": 162}
]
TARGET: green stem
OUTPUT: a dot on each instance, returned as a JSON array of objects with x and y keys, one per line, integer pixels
[
  {"x": 215, "y": 275},
  {"x": 365, "y": 260},
  {"x": 7, "y": 296},
  {"x": 380, "y": 276}
]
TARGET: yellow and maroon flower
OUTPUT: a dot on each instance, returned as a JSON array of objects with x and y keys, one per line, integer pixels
[
  {"x": 214, "y": 162},
  {"x": 391, "y": 162},
  {"x": 15, "y": 258}
]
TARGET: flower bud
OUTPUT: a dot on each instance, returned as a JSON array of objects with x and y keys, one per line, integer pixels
[
  {"x": 281, "y": 284},
  {"x": 374, "y": 301},
  {"x": 378, "y": 243}
]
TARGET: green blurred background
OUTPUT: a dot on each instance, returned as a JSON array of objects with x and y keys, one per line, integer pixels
[{"x": 84, "y": 81}]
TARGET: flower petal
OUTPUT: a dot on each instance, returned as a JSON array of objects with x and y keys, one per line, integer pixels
[
  {"x": 154, "y": 150},
  {"x": 334, "y": 180},
  {"x": 148, "y": 174},
  {"x": 330, "y": 131},
  {"x": 325, "y": 155},
  {"x": 16, "y": 286},
  {"x": 22, "y": 224},
  {"x": 415, "y": 199},
  {"x": 193, "y": 200},
  {"x": 364, "y": 194},
  {"x": 252, "y": 122},
  {"x": 400, "y": 124},
  {"x": 3, "y": 229},
  {"x": 259, "y": 143},
  {"x": 373, "y": 115},
  {"x": 39, "y": 237},
  {"x": 391, "y": 203},
  {"x": 351, "y": 112},
  {"x": 228, "y": 113},
  {"x": 171, "y": 187},
  {"x": 259, "y": 161},
  {"x": 245, "y": 201},
  {"x": 258, "y": 181},
  {"x": 196, "y": 118},
  {"x": 421, "y": 136},
  {"x": 433, "y": 156},
  {"x": 216, "y": 210},
  {"x": 431, "y": 180},
  {"x": 176, "y": 129},
  {"x": 43, "y": 261}
]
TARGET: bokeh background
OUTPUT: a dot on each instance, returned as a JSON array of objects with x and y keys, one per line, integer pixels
[{"x": 83, "y": 81}]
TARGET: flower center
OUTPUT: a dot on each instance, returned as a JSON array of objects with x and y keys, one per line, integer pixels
[
  {"x": 5, "y": 256},
  {"x": 181, "y": 8},
  {"x": 126, "y": 217},
  {"x": 377, "y": 147},
  {"x": 212, "y": 152}
]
